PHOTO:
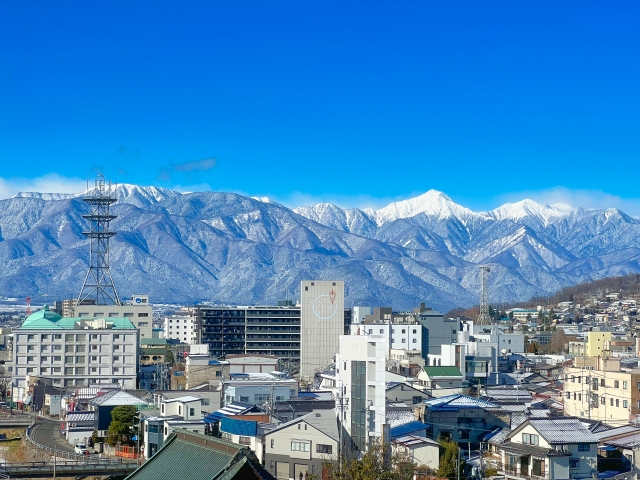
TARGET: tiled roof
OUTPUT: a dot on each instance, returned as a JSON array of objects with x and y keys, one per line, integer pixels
[
  {"x": 614, "y": 432},
  {"x": 186, "y": 398},
  {"x": 323, "y": 421},
  {"x": 116, "y": 398},
  {"x": 628, "y": 441},
  {"x": 563, "y": 430},
  {"x": 198, "y": 457},
  {"x": 407, "y": 429},
  {"x": 442, "y": 371},
  {"x": 414, "y": 441},
  {"x": 458, "y": 401},
  {"x": 80, "y": 416},
  {"x": 399, "y": 416}
]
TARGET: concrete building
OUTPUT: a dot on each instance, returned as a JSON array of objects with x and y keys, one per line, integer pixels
[
  {"x": 259, "y": 388},
  {"x": 360, "y": 375},
  {"x": 182, "y": 326},
  {"x": 201, "y": 369},
  {"x": 75, "y": 352},
  {"x": 322, "y": 323},
  {"x": 441, "y": 381},
  {"x": 402, "y": 331},
  {"x": 138, "y": 310},
  {"x": 599, "y": 389},
  {"x": 261, "y": 330},
  {"x": 301, "y": 446},
  {"x": 592, "y": 345}
]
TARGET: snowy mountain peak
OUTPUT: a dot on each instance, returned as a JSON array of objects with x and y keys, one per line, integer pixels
[
  {"x": 432, "y": 202},
  {"x": 530, "y": 208}
]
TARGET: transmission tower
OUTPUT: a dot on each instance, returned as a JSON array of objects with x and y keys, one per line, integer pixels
[
  {"x": 98, "y": 283},
  {"x": 484, "y": 318}
]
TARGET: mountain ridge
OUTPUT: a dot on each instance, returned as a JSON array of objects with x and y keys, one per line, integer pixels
[{"x": 236, "y": 249}]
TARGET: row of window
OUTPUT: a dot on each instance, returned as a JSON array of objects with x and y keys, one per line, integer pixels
[
  {"x": 595, "y": 384},
  {"x": 69, "y": 337},
  {"x": 68, "y": 370},
  {"x": 603, "y": 401}
]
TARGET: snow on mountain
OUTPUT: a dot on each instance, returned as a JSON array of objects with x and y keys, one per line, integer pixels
[
  {"x": 236, "y": 249},
  {"x": 433, "y": 203}
]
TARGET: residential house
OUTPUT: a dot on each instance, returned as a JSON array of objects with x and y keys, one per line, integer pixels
[
  {"x": 401, "y": 392},
  {"x": 549, "y": 448},
  {"x": 302, "y": 445},
  {"x": 441, "y": 381},
  {"x": 104, "y": 403},
  {"x": 78, "y": 427},
  {"x": 422, "y": 451}
]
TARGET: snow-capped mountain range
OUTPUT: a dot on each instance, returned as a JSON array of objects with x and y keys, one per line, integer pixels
[{"x": 239, "y": 250}]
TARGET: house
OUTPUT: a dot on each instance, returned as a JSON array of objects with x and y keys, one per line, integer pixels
[
  {"x": 175, "y": 413},
  {"x": 192, "y": 456},
  {"x": 78, "y": 427},
  {"x": 548, "y": 448},
  {"x": 243, "y": 430},
  {"x": 421, "y": 451},
  {"x": 401, "y": 392},
  {"x": 461, "y": 418},
  {"x": 441, "y": 381},
  {"x": 104, "y": 403},
  {"x": 302, "y": 445}
]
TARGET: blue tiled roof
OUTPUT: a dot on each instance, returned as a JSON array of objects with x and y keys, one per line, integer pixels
[
  {"x": 407, "y": 428},
  {"x": 246, "y": 428}
]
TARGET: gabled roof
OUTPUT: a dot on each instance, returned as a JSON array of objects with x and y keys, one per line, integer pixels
[
  {"x": 560, "y": 430},
  {"x": 615, "y": 432},
  {"x": 115, "y": 398},
  {"x": 198, "y": 457},
  {"x": 413, "y": 441},
  {"x": 324, "y": 421},
  {"x": 185, "y": 399},
  {"x": 442, "y": 371},
  {"x": 457, "y": 401},
  {"x": 407, "y": 429}
]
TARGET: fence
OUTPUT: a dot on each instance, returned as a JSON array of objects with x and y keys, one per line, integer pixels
[{"x": 67, "y": 455}]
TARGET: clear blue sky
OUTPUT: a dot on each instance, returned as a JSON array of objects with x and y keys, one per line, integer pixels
[{"x": 352, "y": 102}]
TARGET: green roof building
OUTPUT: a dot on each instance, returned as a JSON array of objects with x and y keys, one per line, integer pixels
[{"x": 69, "y": 352}]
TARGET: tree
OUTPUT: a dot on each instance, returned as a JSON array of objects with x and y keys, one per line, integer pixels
[
  {"x": 449, "y": 452},
  {"x": 168, "y": 356},
  {"x": 377, "y": 463},
  {"x": 558, "y": 341},
  {"x": 122, "y": 419},
  {"x": 533, "y": 348}
]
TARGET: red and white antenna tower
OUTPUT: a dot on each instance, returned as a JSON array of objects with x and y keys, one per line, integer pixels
[{"x": 28, "y": 306}]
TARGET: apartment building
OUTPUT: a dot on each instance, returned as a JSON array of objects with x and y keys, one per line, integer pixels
[
  {"x": 360, "y": 375},
  {"x": 261, "y": 330},
  {"x": 592, "y": 345},
  {"x": 182, "y": 326},
  {"x": 599, "y": 389},
  {"x": 75, "y": 352}
]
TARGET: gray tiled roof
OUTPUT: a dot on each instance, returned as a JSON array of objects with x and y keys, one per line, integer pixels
[
  {"x": 628, "y": 441},
  {"x": 563, "y": 430},
  {"x": 614, "y": 432}
]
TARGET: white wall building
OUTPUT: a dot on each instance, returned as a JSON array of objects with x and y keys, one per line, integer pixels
[
  {"x": 399, "y": 335},
  {"x": 321, "y": 324},
  {"x": 74, "y": 351},
  {"x": 138, "y": 310},
  {"x": 360, "y": 374},
  {"x": 182, "y": 326}
]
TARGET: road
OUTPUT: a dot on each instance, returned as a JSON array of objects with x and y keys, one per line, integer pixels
[{"x": 48, "y": 434}]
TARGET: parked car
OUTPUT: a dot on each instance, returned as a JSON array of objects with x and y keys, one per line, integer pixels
[{"x": 81, "y": 449}]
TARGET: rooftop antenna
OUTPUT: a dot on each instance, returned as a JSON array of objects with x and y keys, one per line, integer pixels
[
  {"x": 484, "y": 318},
  {"x": 98, "y": 283}
]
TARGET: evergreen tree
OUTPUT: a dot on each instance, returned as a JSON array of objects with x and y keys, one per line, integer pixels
[{"x": 122, "y": 419}]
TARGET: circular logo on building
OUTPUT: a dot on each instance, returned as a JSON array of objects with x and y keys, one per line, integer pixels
[
  {"x": 138, "y": 300},
  {"x": 325, "y": 306}
]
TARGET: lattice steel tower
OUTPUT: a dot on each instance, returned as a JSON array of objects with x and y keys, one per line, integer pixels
[
  {"x": 98, "y": 284},
  {"x": 484, "y": 318}
]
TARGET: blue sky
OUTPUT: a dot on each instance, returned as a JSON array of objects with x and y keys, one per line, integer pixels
[{"x": 359, "y": 103}]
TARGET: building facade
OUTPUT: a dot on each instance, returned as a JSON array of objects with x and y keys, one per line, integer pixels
[
  {"x": 75, "y": 352},
  {"x": 182, "y": 326},
  {"x": 322, "y": 323}
]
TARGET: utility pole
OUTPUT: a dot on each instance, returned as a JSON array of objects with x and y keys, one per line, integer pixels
[{"x": 54, "y": 462}]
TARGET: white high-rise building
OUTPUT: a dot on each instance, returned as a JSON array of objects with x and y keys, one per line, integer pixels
[
  {"x": 182, "y": 326},
  {"x": 360, "y": 374},
  {"x": 322, "y": 323}
]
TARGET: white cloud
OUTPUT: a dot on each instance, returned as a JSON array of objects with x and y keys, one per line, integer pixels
[{"x": 49, "y": 183}]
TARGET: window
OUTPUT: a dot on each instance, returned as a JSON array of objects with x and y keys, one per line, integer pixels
[
  {"x": 80, "y": 371},
  {"x": 415, "y": 341},
  {"x": 116, "y": 337},
  {"x": 80, "y": 349},
  {"x": 94, "y": 370},
  {"x": 68, "y": 359},
  {"x": 69, "y": 338},
  {"x": 299, "y": 446},
  {"x": 625, "y": 385},
  {"x": 320, "y": 448},
  {"x": 244, "y": 399},
  {"x": 584, "y": 447},
  {"x": 30, "y": 359},
  {"x": 579, "y": 379},
  {"x": 44, "y": 360},
  {"x": 617, "y": 402},
  {"x": 29, "y": 369},
  {"x": 58, "y": 336},
  {"x": 370, "y": 331},
  {"x": 31, "y": 337},
  {"x": 575, "y": 396},
  {"x": 574, "y": 463},
  {"x": 57, "y": 359},
  {"x": 625, "y": 404},
  {"x": 116, "y": 359},
  {"x": 94, "y": 336},
  {"x": 57, "y": 369},
  {"x": 616, "y": 384},
  {"x": 68, "y": 371},
  {"x": 403, "y": 340},
  {"x": 381, "y": 331},
  {"x": 573, "y": 379},
  {"x": 44, "y": 370},
  {"x": 464, "y": 434},
  {"x": 94, "y": 358},
  {"x": 537, "y": 467},
  {"x": 80, "y": 359},
  {"x": 244, "y": 440},
  {"x": 602, "y": 382},
  {"x": 57, "y": 348},
  {"x": 569, "y": 395},
  {"x": 68, "y": 349},
  {"x": 192, "y": 412},
  {"x": 530, "y": 439},
  {"x": 611, "y": 402},
  {"x": 44, "y": 338},
  {"x": 143, "y": 314}
]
